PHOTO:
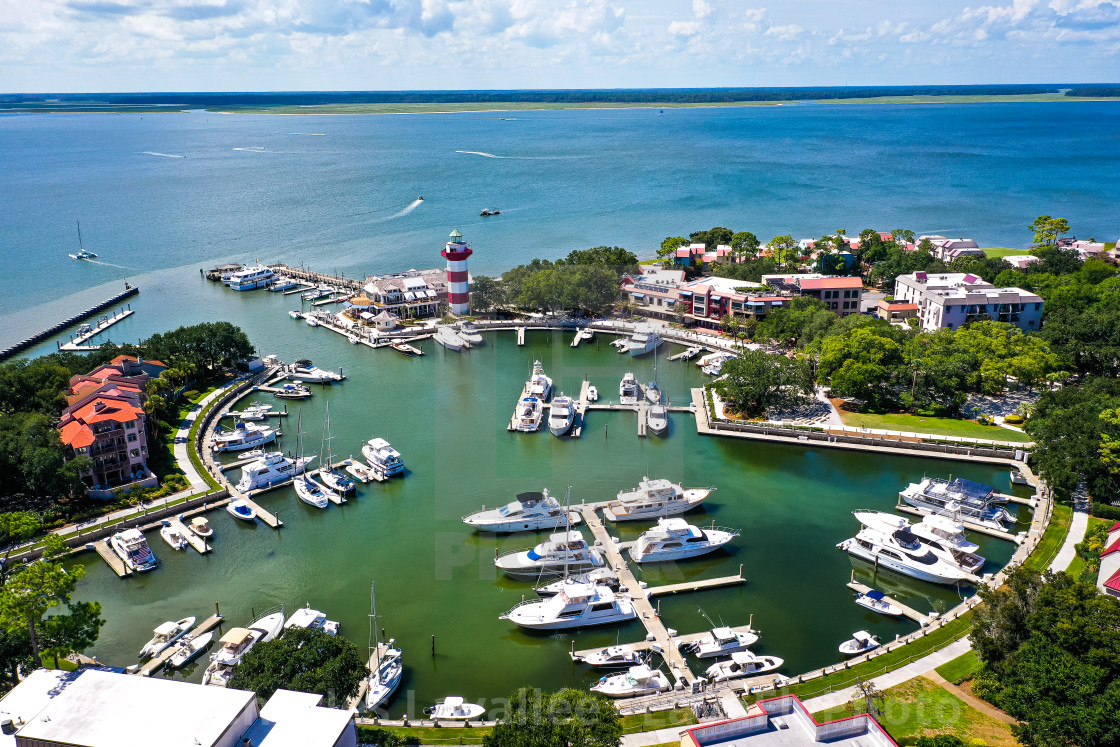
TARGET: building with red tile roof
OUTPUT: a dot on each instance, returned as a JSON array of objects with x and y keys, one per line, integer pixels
[{"x": 1108, "y": 577}]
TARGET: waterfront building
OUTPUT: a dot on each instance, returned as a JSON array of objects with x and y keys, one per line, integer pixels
[
  {"x": 1085, "y": 249},
  {"x": 654, "y": 291},
  {"x": 1020, "y": 261},
  {"x": 841, "y": 295},
  {"x": 101, "y": 708},
  {"x": 953, "y": 299},
  {"x": 949, "y": 249},
  {"x": 1108, "y": 577},
  {"x": 456, "y": 252},
  {"x": 785, "y": 721},
  {"x": 415, "y": 294}
]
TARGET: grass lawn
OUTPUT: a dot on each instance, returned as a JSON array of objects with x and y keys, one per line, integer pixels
[
  {"x": 658, "y": 720},
  {"x": 961, "y": 668},
  {"x": 1077, "y": 567},
  {"x": 921, "y": 708},
  {"x": 936, "y": 426},
  {"x": 425, "y": 734},
  {"x": 1003, "y": 251},
  {"x": 1052, "y": 538}
]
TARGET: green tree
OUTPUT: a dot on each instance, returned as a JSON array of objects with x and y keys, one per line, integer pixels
[
  {"x": 308, "y": 661},
  {"x": 713, "y": 237},
  {"x": 903, "y": 235},
  {"x": 59, "y": 635},
  {"x": 745, "y": 245},
  {"x": 800, "y": 322},
  {"x": 36, "y": 588},
  {"x": 486, "y": 293},
  {"x": 864, "y": 365},
  {"x": 16, "y": 527},
  {"x": 784, "y": 248},
  {"x": 1047, "y": 230},
  {"x": 567, "y": 718},
  {"x": 755, "y": 381},
  {"x": 1068, "y": 432},
  {"x": 671, "y": 245},
  {"x": 614, "y": 257},
  {"x": 750, "y": 270}
]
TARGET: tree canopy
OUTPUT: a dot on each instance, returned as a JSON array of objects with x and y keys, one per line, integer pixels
[
  {"x": 305, "y": 660},
  {"x": 567, "y": 718},
  {"x": 756, "y": 381}
]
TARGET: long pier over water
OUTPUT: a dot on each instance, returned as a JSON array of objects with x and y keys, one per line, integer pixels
[{"x": 40, "y": 336}]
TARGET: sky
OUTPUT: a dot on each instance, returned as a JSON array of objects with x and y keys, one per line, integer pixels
[{"x": 284, "y": 45}]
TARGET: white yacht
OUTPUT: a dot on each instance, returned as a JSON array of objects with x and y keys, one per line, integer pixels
[
  {"x": 860, "y": 642},
  {"x": 270, "y": 469},
  {"x": 653, "y": 393},
  {"x": 282, "y": 283},
  {"x": 622, "y": 344},
  {"x": 645, "y": 340},
  {"x": 875, "y": 601},
  {"x": 561, "y": 415},
  {"x": 189, "y": 647},
  {"x": 292, "y": 391},
  {"x": 311, "y": 492},
  {"x": 132, "y": 547},
  {"x": 639, "y": 680},
  {"x": 967, "y": 561},
  {"x": 251, "y": 278},
  {"x": 309, "y": 619},
  {"x": 173, "y": 537},
  {"x": 385, "y": 675},
  {"x": 653, "y": 499},
  {"x": 255, "y": 411},
  {"x": 381, "y": 456},
  {"x": 166, "y": 634},
  {"x": 469, "y": 333},
  {"x": 539, "y": 385},
  {"x": 528, "y": 415},
  {"x": 628, "y": 391},
  {"x": 902, "y": 552},
  {"x": 577, "y": 606},
  {"x": 236, "y": 643},
  {"x": 715, "y": 368},
  {"x": 676, "y": 539},
  {"x": 960, "y": 500},
  {"x": 723, "y": 640},
  {"x": 742, "y": 664},
  {"x": 587, "y": 334},
  {"x": 657, "y": 418},
  {"x": 564, "y": 551},
  {"x": 308, "y": 373},
  {"x": 944, "y": 530},
  {"x": 600, "y": 576},
  {"x": 613, "y": 657},
  {"x": 529, "y": 512},
  {"x": 450, "y": 339},
  {"x": 454, "y": 709},
  {"x": 592, "y": 394},
  {"x": 243, "y": 436}
]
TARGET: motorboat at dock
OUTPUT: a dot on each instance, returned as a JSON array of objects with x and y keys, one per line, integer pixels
[
  {"x": 200, "y": 526},
  {"x": 628, "y": 390},
  {"x": 965, "y": 560},
  {"x": 239, "y": 509},
  {"x": 188, "y": 648},
  {"x": 165, "y": 635},
  {"x": 657, "y": 418},
  {"x": 271, "y": 468},
  {"x": 902, "y": 552},
  {"x": 454, "y": 709},
  {"x": 638, "y": 680},
  {"x": 242, "y": 436},
  {"x": 172, "y": 536},
  {"x": 613, "y": 657},
  {"x": 528, "y": 416},
  {"x": 653, "y": 499},
  {"x": 561, "y": 414},
  {"x": 306, "y": 372},
  {"x": 132, "y": 547},
  {"x": 875, "y": 601},
  {"x": 958, "y": 499},
  {"x": 742, "y": 664},
  {"x": 309, "y": 619},
  {"x": 251, "y": 278},
  {"x": 292, "y": 391},
  {"x": 254, "y": 411},
  {"x": 561, "y": 552},
  {"x": 860, "y": 642},
  {"x": 576, "y": 606},
  {"x": 529, "y": 512},
  {"x": 539, "y": 385},
  {"x": 600, "y": 576},
  {"x": 722, "y": 640},
  {"x": 236, "y": 643},
  {"x": 383, "y": 457},
  {"x": 469, "y": 333},
  {"x": 450, "y": 339},
  {"x": 405, "y": 349},
  {"x": 676, "y": 539},
  {"x": 644, "y": 340}
]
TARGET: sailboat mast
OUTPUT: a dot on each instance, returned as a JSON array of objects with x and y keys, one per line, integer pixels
[
  {"x": 330, "y": 453},
  {"x": 80, "y": 245},
  {"x": 373, "y": 623},
  {"x": 568, "y": 531}
]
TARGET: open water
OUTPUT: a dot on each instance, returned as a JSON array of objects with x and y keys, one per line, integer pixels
[{"x": 160, "y": 196}]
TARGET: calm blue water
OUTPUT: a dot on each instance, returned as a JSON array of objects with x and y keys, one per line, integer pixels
[{"x": 325, "y": 189}]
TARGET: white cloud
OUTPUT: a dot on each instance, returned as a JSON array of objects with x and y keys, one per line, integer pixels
[{"x": 785, "y": 33}]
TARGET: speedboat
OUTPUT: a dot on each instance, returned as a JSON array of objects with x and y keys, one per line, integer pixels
[
  {"x": 305, "y": 371},
  {"x": 381, "y": 456},
  {"x": 450, "y": 339},
  {"x": 218, "y": 675},
  {"x": 255, "y": 411},
  {"x": 653, "y": 393},
  {"x": 876, "y": 602},
  {"x": 173, "y": 537},
  {"x": 639, "y": 680},
  {"x": 561, "y": 415},
  {"x": 311, "y": 320},
  {"x": 385, "y": 677},
  {"x": 529, "y": 415},
  {"x": 628, "y": 391},
  {"x": 292, "y": 391},
  {"x": 201, "y": 527},
  {"x": 600, "y": 576},
  {"x": 132, "y": 547},
  {"x": 613, "y": 656},
  {"x": 577, "y": 606},
  {"x": 310, "y": 619},
  {"x": 592, "y": 394},
  {"x": 960, "y": 500},
  {"x": 189, "y": 647},
  {"x": 166, "y": 634},
  {"x": 454, "y": 709},
  {"x": 360, "y": 471},
  {"x": 587, "y": 334},
  {"x": 657, "y": 418},
  {"x": 676, "y": 539},
  {"x": 405, "y": 349},
  {"x": 251, "y": 278},
  {"x": 469, "y": 333},
  {"x": 860, "y": 642},
  {"x": 690, "y": 353},
  {"x": 902, "y": 552},
  {"x": 561, "y": 551},
  {"x": 243, "y": 436},
  {"x": 487, "y": 212},
  {"x": 653, "y": 499},
  {"x": 313, "y": 294},
  {"x": 271, "y": 468},
  {"x": 529, "y": 512},
  {"x": 336, "y": 481},
  {"x": 712, "y": 364},
  {"x": 967, "y": 561},
  {"x": 723, "y": 640},
  {"x": 236, "y": 643},
  {"x": 645, "y": 340},
  {"x": 311, "y": 492},
  {"x": 742, "y": 664},
  {"x": 539, "y": 385},
  {"x": 241, "y": 510}
]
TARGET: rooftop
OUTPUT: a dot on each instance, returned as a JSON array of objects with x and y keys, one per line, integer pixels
[
  {"x": 292, "y": 719},
  {"x": 784, "y": 722}
]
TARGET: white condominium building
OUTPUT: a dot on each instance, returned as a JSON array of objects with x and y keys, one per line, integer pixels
[{"x": 954, "y": 299}]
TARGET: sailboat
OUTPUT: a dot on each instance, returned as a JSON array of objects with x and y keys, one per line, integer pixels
[
  {"x": 386, "y": 676},
  {"x": 82, "y": 253},
  {"x": 328, "y": 475},
  {"x": 308, "y": 491}
]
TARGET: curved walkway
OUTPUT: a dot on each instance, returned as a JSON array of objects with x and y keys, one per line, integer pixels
[
  {"x": 183, "y": 440},
  {"x": 1077, "y": 528}
]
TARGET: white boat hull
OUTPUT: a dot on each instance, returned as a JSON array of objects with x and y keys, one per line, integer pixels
[
  {"x": 882, "y": 561},
  {"x": 526, "y": 525}
]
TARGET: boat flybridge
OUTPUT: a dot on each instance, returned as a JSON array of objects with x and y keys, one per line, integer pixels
[
  {"x": 251, "y": 278},
  {"x": 645, "y": 340},
  {"x": 966, "y": 561},
  {"x": 637, "y": 680},
  {"x": 309, "y": 619},
  {"x": 628, "y": 390},
  {"x": 577, "y": 606},
  {"x": 600, "y": 576},
  {"x": 723, "y": 640},
  {"x": 561, "y": 552},
  {"x": 653, "y": 499},
  {"x": 561, "y": 415},
  {"x": 676, "y": 539},
  {"x": 383, "y": 457},
  {"x": 132, "y": 547},
  {"x": 166, "y": 634},
  {"x": 945, "y": 531},
  {"x": 529, "y": 512},
  {"x": 454, "y": 709},
  {"x": 960, "y": 500},
  {"x": 271, "y": 468},
  {"x": 243, "y": 436},
  {"x": 528, "y": 415},
  {"x": 902, "y": 552},
  {"x": 657, "y": 418},
  {"x": 539, "y": 385},
  {"x": 742, "y": 664},
  {"x": 305, "y": 371},
  {"x": 613, "y": 657},
  {"x": 469, "y": 332}
]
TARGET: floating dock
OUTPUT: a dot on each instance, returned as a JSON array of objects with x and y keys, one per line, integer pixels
[
  {"x": 707, "y": 583},
  {"x": 1016, "y": 499},
  {"x": 157, "y": 662},
  {"x": 192, "y": 539},
  {"x": 268, "y": 518},
  {"x": 77, "y": 343},
  {"x": 643, "y": 424},
  {"x": 520, "y": 336},
  {"x": 110, "y": 557},
  {"x": 581, "y": 409},
  {"x": 685, "y": 356},
  {"x": 908, "y": 612},
  {"x": 39, "y": 337},
  {"x": 969, "y": 525}
]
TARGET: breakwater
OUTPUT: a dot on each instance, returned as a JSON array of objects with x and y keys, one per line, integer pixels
[{"x": 40, "y": 336}]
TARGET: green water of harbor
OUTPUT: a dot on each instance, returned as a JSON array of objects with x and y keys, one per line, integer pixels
[{"x": 447, "y": 414}]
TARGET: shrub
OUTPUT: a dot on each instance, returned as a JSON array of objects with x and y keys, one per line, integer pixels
[
  {"x": 1105, "y": 511},
  {"x": 1014, "y": 419}
]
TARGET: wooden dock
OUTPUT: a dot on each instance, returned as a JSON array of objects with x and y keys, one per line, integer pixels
[
  {"x": 1016, "y": 499},
  {"x": 678, "y": 642},
  {"x": 192, "y": 539},
  {"x": 156, "y": 663},
  {"x": 684, "y": 356},
  {"x": 643, "y": 425},
  {"x": 581, "y": 409},
  {"x": 578, "y": 338},
  {"x": 300, "y": 289},
  {"x": 38, "y": 337},
  {"x": 268, "y": 518},
  {"x": 520, "y": 336},
  {"x": 356, "y": 702},
  {"x": 969, "y": 525},
  {"x": 110, "y": 557},
  {"x": 907, "y": 611},
  {"x": 707, "y": 583},
  {"x": 78, "y": 342}
]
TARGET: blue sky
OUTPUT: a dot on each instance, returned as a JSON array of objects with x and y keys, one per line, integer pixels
[{"x": 230, "y": 45}]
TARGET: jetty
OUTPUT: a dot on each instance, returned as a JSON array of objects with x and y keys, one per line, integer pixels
[
  {"x": 687, "y": 354},
  {"x": 102, "y": 548},
  {"x": 192, "y": 539},
  {"x": 78, "y": 342},
  {"x": 643, "y": 424},
  {"x": 355, "y": 703},
  {"x": 581, "y": 409},
  {"x": 156, "y": 663},
  {"x": 907, "y": 611},
  {"x": 269, "y": 519},
  {"x": 315, "y": 279},
  {"x": 40, "y": 336},
  {"x": 969, "y": 525},
  {"x": 701, "y": 585}
]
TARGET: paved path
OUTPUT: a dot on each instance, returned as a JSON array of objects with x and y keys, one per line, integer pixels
[
  {"x": 983, "y": 706},
  {"x": 1077, "y": 526},
  {"x": 183, "y": 441}
]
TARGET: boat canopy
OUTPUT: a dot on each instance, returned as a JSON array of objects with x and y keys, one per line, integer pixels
[
  {"x": 862, "y": 636},
  {"x": 970, "y": 488},
  {"x": 723, "y": 634},
  {"x": 236, "y": 636},
  {"x": 167, "y": 628},
  {"x": 874, "y": 594},
  {"x": 453, "y": 701},
  {"x": 641, "y": 672}
]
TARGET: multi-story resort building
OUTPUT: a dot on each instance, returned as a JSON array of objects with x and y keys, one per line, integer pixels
[
  {"x": 949, "y": 249},
  {"x": 951, "y": 300},
  {"x": 842, "y": 295},
  {"x": 415, "y": 294}
]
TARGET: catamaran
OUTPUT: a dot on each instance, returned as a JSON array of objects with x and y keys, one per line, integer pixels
[{"x": 82, "y": 252}]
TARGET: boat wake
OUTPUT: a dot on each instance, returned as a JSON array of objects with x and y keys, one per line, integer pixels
[
  {"x": 480, "y": 153},
  {"x": 107, "y": 264},
  {"x": 514, "y": 158},
  {"x": 309, "y": 134},
  {"x": 161, "y": 155},
  {"x": 411, "y": 206},
  {"x": 253, "y": 148}
]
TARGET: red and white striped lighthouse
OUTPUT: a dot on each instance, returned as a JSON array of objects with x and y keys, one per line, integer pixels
[{"x": 458, "y": 282}]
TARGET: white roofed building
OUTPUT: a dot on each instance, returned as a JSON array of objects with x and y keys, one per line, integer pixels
[
  {"x": 409, "y": 295},
  {"x": 954, "y": 299}
]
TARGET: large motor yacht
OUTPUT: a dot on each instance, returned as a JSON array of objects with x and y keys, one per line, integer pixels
[
  {"x": 563, "y": 551},
  {"x": 236, "y": 643},
  {"x": 529, "y": 415},
  {"x": 132, "y": 547},
  {"x": 529, "y": 512},
  {"x": 902, "y": 552},
  {"x": 742, "y": 664},
  {"x": 639, "y": 680},
  {"x": 539, "y": 385},
  {"x": 653, "y": 499},
  {"x": 600, "y": 576},
  {"x": 723, "y": 640},
  {"x": 251, "y": 278},
  {"x": 676, "y": 539},
  {"x": 645, "y": 340},
  {"x": 307, "y": 372},
  {"x": 577, "y": 606},
  {"x": 628, "y": 391},
  {"x": 960, "y": 500},
  {"x": 270, "y": 469},
  {"x": 243, "y": 436},
  {"x": 382, "y": 456},
  {"x": 965, "y": 560},
  {"x": 561, "y": 415}
]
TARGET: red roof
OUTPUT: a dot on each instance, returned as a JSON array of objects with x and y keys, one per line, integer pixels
[
  {"x": 684, "y": 252},
  {"x": 823, "y": 283},
  {"x": 134, "y": 359},
  {"x": 77, "y": 432},
  {"x": 1113, "y": 582},
  {"x": 1114, "y": 547},
  {"x": 1114, "y": 527}
]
